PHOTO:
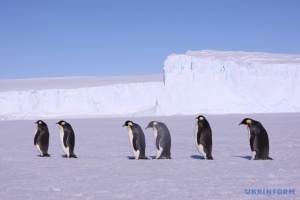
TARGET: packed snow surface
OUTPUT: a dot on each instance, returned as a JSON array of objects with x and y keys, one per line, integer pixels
[
  {"x": 214, "y": 82},
  {"x": 103, "y": 169}
]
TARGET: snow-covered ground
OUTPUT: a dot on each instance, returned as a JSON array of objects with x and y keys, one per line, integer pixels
[
  {"x": 104, "y": 171},
  {"x": 206, "y": 81}
]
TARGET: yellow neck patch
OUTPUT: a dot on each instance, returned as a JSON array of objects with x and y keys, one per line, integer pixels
[
  {"x": 129, "y": 124},
  {"x": 154, "y": 123},
  {"x": 248, "y": 121},
  {"x": 201, "y": 118},
  {"x": 63, "y": 123},
  {"x": 40, "y": 122}
]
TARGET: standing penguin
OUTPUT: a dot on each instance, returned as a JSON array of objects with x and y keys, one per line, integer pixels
[
  {"x": 162, "y": 139},
  {"x": 203, "y": 137},
  {"x": 136, "y": 139},
  {"x": 67, "y": 138},
  {"x": 258, "y": 138},
  {"x": 41, "y": 138}
]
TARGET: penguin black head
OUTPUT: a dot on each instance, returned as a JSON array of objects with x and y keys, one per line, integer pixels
[
  {"x": 39, "y": 122},
  {"x": 62, "y": 122},
  {"x": 128, "y": 123},
  {"x": 151, "y": 124},
  {"x": 246, "y": 121},
  {"x": 200, "y": 118}
]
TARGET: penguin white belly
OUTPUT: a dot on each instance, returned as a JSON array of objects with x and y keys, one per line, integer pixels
[
  {"x": 39, "y": 149},
  {"x": 249, "y": 134},
  {"x": 201, "y": 150},
  {"x": 159, "y": 152},
  {"x": 253, "y": 155},
  {"x": 61, "y": 134},
  {"x": 136, "y": 153},
  {"x": 199, "y": 146},
  {"x": 154, "y": 133}
]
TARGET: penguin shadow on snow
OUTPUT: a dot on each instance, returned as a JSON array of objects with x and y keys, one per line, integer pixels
[
  {"x": 47, "y": 156},
  {"x": 250, "y": 158},
  {"x": 197, "y": 157},
  {"x": 245, "y": 157},
  {"x": 148, "y": 158}
]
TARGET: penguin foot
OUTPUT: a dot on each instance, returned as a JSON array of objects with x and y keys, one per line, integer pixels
[
  {"x": 42, "y": 156},
  {"x": 45, "y": 155},
  {"x": 209, "y": 158},
  {"x": 73, "y": 156},
  {"x": 268, "y": 158},
  {"x": 144, "y": 158}
]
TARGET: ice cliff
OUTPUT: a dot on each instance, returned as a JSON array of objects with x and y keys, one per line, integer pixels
[
  {"x": 195, "y": 82},
  {"x": 230, "y": 82}
]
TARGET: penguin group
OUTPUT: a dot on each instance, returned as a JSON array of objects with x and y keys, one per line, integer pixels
[
  {"x": 67, "y": 138},
  {"x": 258, "y": 139},
  {"x": 257, "y": 135},
  {"x": 162, "y": 139}
]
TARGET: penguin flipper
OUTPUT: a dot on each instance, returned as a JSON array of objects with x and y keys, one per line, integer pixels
[
  {"x": 36, "y": 137},
  {"x": 134, "y": 142},
  {"x": 66, "y": 134},
  {"x": 252, "y": 138},
  {"x": 200, "y": 129},
  {"x": 158, "y": 140}
]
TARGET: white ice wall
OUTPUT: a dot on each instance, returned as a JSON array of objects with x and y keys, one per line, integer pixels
[
  {"x": 195, "y": 82},
  {"x": 230, "y": 82},
  {"x": 111, "y": 100}
]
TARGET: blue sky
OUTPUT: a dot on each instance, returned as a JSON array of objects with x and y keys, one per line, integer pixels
[{"x": 115, "y": 37}]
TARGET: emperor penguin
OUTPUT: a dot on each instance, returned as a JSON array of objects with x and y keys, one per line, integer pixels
[
  {"x": 67, "y": 138},
  {"x": 203, "y": 137},
  {"x": 162, "y": 139},
  {"x": 258, "y": 138},
  {"x": 136, "y": 139},
  {"x": 41, "y": 138}
]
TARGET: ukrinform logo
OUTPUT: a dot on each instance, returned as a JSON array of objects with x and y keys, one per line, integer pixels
[{"x": 270, "y": 191}]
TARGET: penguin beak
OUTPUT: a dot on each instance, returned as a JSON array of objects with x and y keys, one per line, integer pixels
[
  {"x": 57, "y": 123},
  {"x": 243, "y": 122},
  {"x": 148, "y": 127}
]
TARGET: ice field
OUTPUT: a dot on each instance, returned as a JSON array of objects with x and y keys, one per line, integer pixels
[{"x": 103, "y": 169}]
